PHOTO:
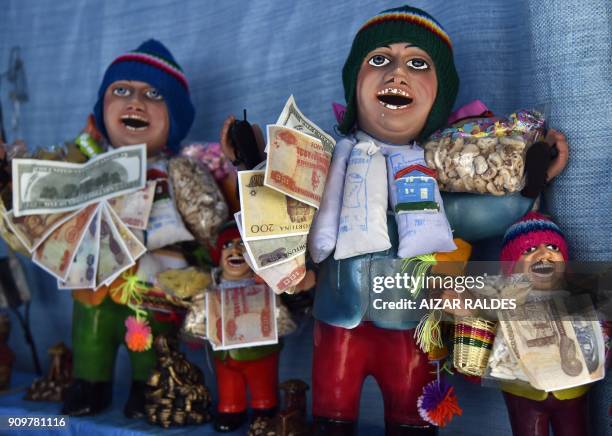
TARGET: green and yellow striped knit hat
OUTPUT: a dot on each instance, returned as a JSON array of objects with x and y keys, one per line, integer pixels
[{"x": 404, "y": 24}]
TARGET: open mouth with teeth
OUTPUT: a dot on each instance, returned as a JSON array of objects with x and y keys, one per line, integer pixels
[
  {"x": 542, "y": 269},
  {"x": 236, "y": 261},
  {"x": 394, "y": 98},
  {"x": 134, "y": 122}
]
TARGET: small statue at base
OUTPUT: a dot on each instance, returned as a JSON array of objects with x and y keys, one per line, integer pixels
[
  {"x": 291, "y": 420},
  {"x": 175, "y": 394},
  {"x": 58, "y": 379}
]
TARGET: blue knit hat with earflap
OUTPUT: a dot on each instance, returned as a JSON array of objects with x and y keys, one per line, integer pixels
[{"x": 153, "y": 63}]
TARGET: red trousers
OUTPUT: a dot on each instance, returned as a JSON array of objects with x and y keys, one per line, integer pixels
[
  {"x": 533, "y": 418},
  {"x": 343, "y": 358},
  {"x": 233, "y": 377}
]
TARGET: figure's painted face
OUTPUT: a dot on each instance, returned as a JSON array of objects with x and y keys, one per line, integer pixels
[
  {"x": 232, "y": 263},
  {"x": 396, "y": 89},
  {"x": 544, "y": 265},
  {"x": 136, "y": 113}
]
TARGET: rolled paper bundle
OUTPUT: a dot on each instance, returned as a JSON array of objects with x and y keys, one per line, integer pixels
[{"x": 472, "y": 345}]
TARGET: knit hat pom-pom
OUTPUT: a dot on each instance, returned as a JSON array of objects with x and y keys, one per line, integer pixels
[
  {"x": 438, "y": 403},
  {"x": 138, "y": 336}
]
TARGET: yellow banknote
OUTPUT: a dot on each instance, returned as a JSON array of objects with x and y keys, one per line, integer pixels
[{"x": 267, "y": 213}]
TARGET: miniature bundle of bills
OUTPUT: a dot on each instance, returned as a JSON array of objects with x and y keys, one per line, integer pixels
[
  {"x": 78, "y": 221},
  {"x": 278, "y": 202},
  {"x": 242, "y": 316},
  {"x": 284, "y": 275},
  {"x": 553, "y": 349}
]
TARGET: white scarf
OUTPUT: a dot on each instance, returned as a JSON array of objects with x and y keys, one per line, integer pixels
[{"x": 353, "y": 214}]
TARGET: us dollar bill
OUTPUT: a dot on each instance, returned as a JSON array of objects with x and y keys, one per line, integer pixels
[
  {"x": 46, "y": 187},
  {"x": 291, "y": 116}
]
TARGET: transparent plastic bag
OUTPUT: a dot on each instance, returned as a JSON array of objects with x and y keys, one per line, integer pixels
[{"x": 484, "y": 155}]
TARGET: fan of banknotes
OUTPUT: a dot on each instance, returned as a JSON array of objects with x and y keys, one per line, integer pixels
[
  {"x": 81, "y": 222},
  {"x": 279, "y": 201}
]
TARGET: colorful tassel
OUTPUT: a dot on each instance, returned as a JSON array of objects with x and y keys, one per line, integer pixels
[
  {"x": 422, "y": 264},
  {"x": 428, "y": 333},
  {"x": 130, "y": 292},
  {"x": 138, "y": 335},
  {"x": 438, "y": 403}
]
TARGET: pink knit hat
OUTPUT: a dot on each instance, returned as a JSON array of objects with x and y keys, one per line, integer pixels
[{"x": 531, "y": 230}]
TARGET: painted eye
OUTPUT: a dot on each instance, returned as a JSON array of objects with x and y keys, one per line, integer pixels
[
  {"x": 378, "y": 61},
  {"x": 530, "y": 250},
  {"x": 418, "y": 64},
  {"x": 121, "y": 91},
  {"x": 154, "y": 94},
  {"x": 552, "y": 247}
]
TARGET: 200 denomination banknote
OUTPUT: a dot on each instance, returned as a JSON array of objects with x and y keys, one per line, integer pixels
[
  {"x": 265, "y": 253},
  {"x": 45, "y": 187},
  {"x": 292, "y": 117},
  {"x": 297, "y": 164},
  {"x": 268, "y": 213}
]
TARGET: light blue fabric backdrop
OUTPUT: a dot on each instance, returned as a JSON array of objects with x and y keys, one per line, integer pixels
[{"x": 555, "y": 55}]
